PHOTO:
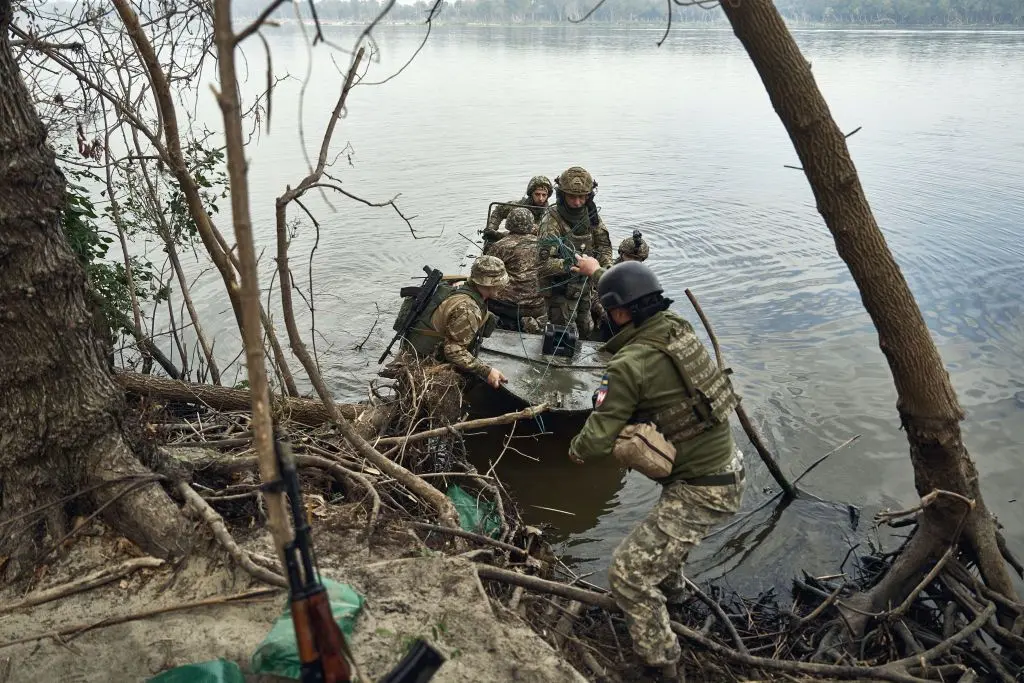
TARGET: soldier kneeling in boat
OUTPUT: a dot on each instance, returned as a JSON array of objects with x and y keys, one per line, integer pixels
[
  {"x": 520, "y": 305},
  {"x": 663, "y": 409},
  {"x": 455, "y": 321}
]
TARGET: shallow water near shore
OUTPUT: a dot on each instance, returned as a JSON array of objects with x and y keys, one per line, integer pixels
[{"x": 686, "y": 148}]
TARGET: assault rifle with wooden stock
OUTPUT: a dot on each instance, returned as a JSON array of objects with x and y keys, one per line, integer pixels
[
  {"x": 324, "y": 654},
  {"x": 421, "y": 296}
]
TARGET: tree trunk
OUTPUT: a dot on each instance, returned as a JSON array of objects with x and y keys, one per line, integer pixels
[
  {"x": 60, "y": 406},
  {"x": 927, "y": 404}
]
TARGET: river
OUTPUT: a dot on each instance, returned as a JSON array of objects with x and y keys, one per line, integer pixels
[{"x": 686, "y": 147}]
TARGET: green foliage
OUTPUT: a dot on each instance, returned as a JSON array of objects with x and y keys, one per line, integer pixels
[
  {"x": 207, "y": 168},
  {"x": 90, "y": 244},
  {"x": 140, "y": 213},
  {"x": 143, "y": 213}
]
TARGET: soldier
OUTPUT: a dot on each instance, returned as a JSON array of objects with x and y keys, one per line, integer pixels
[
  {"x": 661, "y": 374},
  {"x": 520, "y": 305},
  {"x": 570, "y": 230},
  {"x": 455, "y": 321},
  {"x": 538, "y": 190},
  {"x": 633, "y": 248}
]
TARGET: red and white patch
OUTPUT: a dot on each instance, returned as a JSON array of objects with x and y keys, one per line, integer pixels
[{"x": 601, "y": 392}]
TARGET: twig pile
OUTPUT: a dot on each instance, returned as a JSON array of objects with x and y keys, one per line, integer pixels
[{"x": 951, "y": 627}]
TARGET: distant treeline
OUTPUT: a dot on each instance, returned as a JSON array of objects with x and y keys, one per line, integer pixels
[{"x": 848, "y": 12}]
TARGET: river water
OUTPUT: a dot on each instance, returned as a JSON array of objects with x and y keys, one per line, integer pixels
[{"x": 687, "y": 148}]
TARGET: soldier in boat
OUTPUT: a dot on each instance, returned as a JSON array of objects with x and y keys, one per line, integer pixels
[
  {"x": 538, "y": 191},
  {"x": 520, "y": 305}
]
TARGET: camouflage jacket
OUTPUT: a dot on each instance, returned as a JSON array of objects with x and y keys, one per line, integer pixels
[
  {"x": 558, "y": 239},
  {"x": 641, "y": 379},
  {"x": 501, "y": 211},
  {"x": 519, "y": 253},
  {"x": 458, "y": 319}
]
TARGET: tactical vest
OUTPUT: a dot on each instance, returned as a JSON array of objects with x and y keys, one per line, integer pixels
[
  {"x": 582, "y": 240},
  {"x": 710, "y": 396},
  {"x": 421, "y": 335}
]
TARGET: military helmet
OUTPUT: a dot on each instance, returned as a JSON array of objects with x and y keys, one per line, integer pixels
[
  {"x": 488, "y": 271},
  {"x": 634, "y": 247},
  {"x": 626, "y": 282},
  {"x": 539, "y": 181},
  {"x": 576, "y": 180},
  {"x": 519, "y": 221}
]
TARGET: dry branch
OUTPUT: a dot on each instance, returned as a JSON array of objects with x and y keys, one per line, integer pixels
[
  {"x": 889, "y": 672},
  {"x": 97, "y": 578},
  {"x": 343, "y": 475},
  {"x": 788, "y": 489},
  {"x": 438, "y": 501},
  {"x": 470, "y": 535},
  {"x": 524, "y": 414}
]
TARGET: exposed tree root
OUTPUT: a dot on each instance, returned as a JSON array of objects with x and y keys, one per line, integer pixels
[{"x": 220, "y": 531}]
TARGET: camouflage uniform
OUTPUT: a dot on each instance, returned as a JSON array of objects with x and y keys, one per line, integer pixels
[
  {"x": 520, "y": 304},
  {"x": 501, "y": 211},
  {"x": 461, "y": 319},
  {"x": 644, "y": 382},
  {"x": 564, "y": 232}
]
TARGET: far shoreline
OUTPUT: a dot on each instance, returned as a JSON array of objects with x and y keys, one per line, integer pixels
[{"x": 659, "y": 25}]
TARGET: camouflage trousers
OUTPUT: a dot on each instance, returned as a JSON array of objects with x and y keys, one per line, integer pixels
[
  {"x": 561, "y": 307},
  {"x": 524, "y": 318},
  {"x": 647, "y": 567}
]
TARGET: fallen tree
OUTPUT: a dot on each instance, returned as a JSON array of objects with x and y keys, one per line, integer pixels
[{"x": 308, "y": 411}]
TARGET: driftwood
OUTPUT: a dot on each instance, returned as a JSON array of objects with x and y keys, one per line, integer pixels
[{"x": 308, "y": 411}]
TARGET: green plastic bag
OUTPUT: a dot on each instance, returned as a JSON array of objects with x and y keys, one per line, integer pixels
[
  {"x": 279, "y": 653},
  {"x": 214, "y": 671},
  {"x": 479, "y": 517}
]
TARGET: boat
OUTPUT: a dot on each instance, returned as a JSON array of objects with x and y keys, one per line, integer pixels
[{"x": 566, "y": 383}]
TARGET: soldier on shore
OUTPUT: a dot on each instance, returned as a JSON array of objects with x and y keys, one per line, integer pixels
[{"x": 662, "y": 380}]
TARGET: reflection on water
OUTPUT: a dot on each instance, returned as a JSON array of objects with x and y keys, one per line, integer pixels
[{"x": 687, "y": 148}]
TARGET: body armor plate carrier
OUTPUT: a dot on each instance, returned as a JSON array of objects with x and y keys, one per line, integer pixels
[
  {"x": 421, "y": 335},
  {"x": 710, "y": 396}
]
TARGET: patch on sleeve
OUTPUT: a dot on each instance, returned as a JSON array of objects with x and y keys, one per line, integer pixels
[{"x": 601, "y": 392}]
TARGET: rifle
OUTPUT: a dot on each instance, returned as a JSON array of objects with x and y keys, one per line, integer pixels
[
  {"x": 324, "y": 654},
  {"x": 422, "y": 297}
]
